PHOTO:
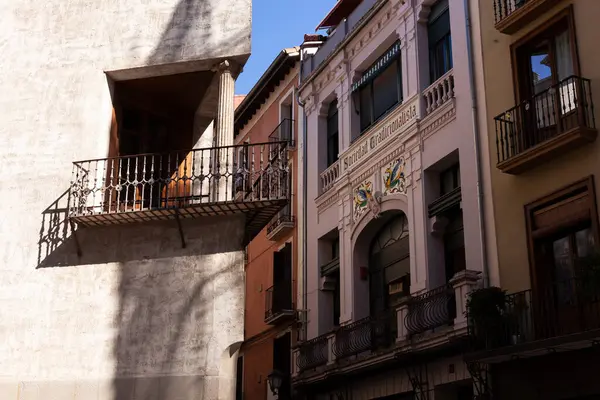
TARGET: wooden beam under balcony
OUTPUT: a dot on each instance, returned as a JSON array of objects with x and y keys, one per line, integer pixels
[{"x": 512, "y": 15}]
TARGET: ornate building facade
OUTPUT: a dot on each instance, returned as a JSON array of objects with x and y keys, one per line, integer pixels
[{"x": 395, "y": 218}]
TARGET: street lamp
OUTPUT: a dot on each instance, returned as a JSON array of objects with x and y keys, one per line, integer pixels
[{"x": 275, "y": 379}]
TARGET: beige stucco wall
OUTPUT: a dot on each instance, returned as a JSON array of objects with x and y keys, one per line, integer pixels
[
  {"x": 512, "y": 193},
  {"x": 137, "y": 313}
]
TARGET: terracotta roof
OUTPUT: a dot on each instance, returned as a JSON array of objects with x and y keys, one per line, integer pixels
[{"x": 237, "y": 100}]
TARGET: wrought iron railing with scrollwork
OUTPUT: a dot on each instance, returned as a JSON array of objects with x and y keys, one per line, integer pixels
[
  {"x": 147, "y": 182},
  {"x": 431, "y": 310},
  {"x": 313, "y": 353},
  {"x": 370, "y": 333},
  {"x": 284, "y": 132},
  {"x": 559, "y": 309},
  {"x": 284, "y": 216}
]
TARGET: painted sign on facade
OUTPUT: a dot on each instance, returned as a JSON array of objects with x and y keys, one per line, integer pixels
[
  {"x": 397, "y": 123},
  {"x": 362, "y": 195},
  {"x": 394, "y": 179}
]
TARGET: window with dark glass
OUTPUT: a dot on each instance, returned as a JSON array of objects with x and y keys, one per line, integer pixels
[
  {"x": 440, "y": 40},
  {"x": 332, "y": 133},
  {"x": 335, "y": 248},
  {"x": 449, "y": 179},
  {"x": 379, "y": 89},
  {"x": 336, "y": 299},
  {"x": 454, "y": 243}
]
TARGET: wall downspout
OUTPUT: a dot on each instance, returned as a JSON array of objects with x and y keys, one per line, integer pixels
[
  {"x": 304, "y": 207},
  {"x": 475, "y": 121}
]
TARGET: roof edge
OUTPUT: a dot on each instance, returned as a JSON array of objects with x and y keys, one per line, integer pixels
[{"x": 278, "y": 64}]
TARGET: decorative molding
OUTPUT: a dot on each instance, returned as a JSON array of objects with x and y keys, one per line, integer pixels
[
  {"x": 325, "y": 202},
  {"x": 383, "y": 17},
  {"x": 438, "y": 119}
]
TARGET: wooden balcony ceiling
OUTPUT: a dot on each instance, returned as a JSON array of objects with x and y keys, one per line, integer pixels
[
  {"x": 519, "y": 17},
  {"x": 258, "y": 214}
]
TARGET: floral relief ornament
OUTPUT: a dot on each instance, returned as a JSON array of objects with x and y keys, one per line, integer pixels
[{"x": 394, "y": 180}]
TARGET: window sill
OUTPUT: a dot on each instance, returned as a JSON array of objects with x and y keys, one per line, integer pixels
[{"x": 372, "y": 124}]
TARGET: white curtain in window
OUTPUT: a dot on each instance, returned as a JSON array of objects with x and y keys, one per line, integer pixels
[{"x": 564, "y": 69}]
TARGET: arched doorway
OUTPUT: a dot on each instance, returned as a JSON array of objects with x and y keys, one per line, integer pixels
[{"x": 389, "y": 265}]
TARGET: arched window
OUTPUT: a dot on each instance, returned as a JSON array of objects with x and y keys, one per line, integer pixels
[{"x": 389, "y": 263}]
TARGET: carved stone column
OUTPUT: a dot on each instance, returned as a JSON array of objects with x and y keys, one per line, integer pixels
[
  {"x": 224, "y": 159},
  {"x": 225, "y": 109}
]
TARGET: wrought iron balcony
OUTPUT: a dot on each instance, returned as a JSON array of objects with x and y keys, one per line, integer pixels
[
  {"x": 553, "y": 121},
  {"x": 279, "y": 305},
  {"x": 367, "y": 334},
  {"x": 385, "y": 336},
  {"x": 251, "y": 179},
  {"x": 284, "y": 132},
  {"x": 281, "y": 224},
  {"x": 431, "y": 310},
  {"x": 313, "y": 353},
  {"x": 512, "y": 15},
  {"x": 560, "y": 313}
]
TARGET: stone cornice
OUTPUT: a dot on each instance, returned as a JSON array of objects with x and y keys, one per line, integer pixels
[{"x": 438, "y": 119}]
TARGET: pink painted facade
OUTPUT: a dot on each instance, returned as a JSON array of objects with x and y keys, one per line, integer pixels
[{"x": 390, "y": 171}]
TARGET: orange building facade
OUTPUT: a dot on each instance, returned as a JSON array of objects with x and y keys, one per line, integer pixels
[{"x": 266, "y": 115}]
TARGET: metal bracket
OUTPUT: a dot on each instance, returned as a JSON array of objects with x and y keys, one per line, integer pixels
[
  {"x": 417, "y": 376},
  {"x": 480, "y": 375},
  {"x": 77, "y": 244},
  {"x": 183, "y": 244}
]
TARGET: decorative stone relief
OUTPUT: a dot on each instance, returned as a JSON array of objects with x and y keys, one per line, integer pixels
[
  {"x": 362, "y": 195},
  {"x": 394, "y": 179}
]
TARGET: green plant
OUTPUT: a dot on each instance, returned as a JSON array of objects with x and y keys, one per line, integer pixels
[{"x": 486, "y": 310}]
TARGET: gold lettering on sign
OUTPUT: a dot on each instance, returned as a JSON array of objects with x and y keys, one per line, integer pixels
[{"x": 391, "y": 128}]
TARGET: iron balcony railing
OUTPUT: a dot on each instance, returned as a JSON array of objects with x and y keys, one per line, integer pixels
[
  {"x": 278, "y": 300},
  {"x": 558, "y": 109},
  {"x": 147, "y": 182},
  {"x": 504, "y": 8},
  {"x": 367, "y": 334},
  {"x": 560, "y": 309},
  {"x": 431, "y": 310},
  {"x": 281, "y": 218},
  {"x": 313, "y": 353},
  {"x": 284, "y": 132}
]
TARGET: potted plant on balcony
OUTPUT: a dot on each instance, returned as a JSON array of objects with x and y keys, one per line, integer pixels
[{"x": 486, "y": 312}]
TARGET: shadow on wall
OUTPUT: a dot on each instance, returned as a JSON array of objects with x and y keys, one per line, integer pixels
[
  {"x": 176, "y": 42},
  {"x": 179, "y": 316},
  {"x": 180, "y": 311}
]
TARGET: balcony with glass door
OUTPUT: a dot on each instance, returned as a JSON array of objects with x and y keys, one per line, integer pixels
[{"x": 556, "y": 110}]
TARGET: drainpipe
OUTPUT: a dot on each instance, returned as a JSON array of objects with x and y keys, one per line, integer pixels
[
  {"x": 475, "y": 119},
  {"x": 304, "y": 205}
]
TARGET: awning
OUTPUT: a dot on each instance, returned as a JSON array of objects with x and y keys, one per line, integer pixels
[
  {"x": 341, "y": 10},
  {"x": 378, "y": 67}
]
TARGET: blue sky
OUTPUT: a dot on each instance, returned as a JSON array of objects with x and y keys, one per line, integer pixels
[{"x": 277, "y": 24}]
